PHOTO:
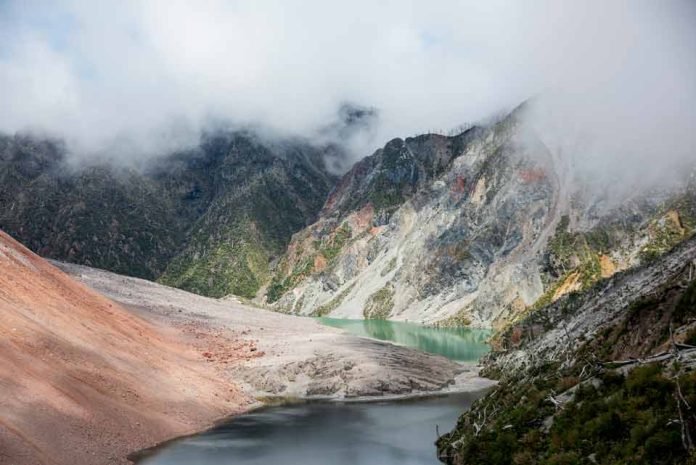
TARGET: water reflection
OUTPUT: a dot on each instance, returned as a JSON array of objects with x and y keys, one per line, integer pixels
[
  {"x": 379, "y": 433},
  {"x": 463, "y": 344}
]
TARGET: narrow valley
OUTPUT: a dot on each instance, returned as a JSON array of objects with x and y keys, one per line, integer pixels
[{"x": 323, "y": 232}]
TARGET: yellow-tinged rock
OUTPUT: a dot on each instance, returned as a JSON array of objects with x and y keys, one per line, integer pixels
[
  {"x": 673, "y": 217},
  {"x": 570, "y": 284},
  {"x": 607, "y": 266}
]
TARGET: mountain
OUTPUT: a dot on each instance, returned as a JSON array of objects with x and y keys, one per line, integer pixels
[
  {"x": 82, "y": 378},
  {"x": 210, "y": 220},
  {"x": 602, "y": 376},
  {"x": 476, "y": 229}
]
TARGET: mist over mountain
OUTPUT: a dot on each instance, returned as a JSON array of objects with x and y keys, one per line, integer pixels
[
  {"x": 478, "y": 227},
  {"x": 209, "y": 219},
  {"x": 127, "y": 80},
  {"x": 444, "y": 177}
]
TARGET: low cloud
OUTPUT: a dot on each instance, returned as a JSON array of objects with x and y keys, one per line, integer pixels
[{"x": 133, "y": 78}]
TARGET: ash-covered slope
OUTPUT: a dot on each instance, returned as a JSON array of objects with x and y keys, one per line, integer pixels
[
  {"x": 474, "y": 229},
  {"x": 207, "y": 220},
  {"x": 84, "y": 381}
]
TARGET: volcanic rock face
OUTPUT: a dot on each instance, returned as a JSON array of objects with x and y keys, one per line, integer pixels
[
  {"x": 207, "y": 220},
  {"x": 84, "y": 381},
  {"x": 474, "y": 229}
]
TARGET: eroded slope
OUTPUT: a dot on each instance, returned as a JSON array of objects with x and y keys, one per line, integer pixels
[
  {"x": 475, "y": 229},
  {"x": 85, "y": 381},
  {"x": 605, "y": 376}
]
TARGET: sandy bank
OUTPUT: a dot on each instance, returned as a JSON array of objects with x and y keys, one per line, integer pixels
[
  {"x": 85, "y": 381},
  {"x": 291, "y": 356}
]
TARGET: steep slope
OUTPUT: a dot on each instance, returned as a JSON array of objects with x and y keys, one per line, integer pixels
[
  {"x": 107, "y": 217},
  {"x": 604, "y": 376},
  {"x": 261, "y": 194},
  {"x": 83, "y": 380},
  {"x": 477, "y": 229},
  {"x": 208, "y": 220}
]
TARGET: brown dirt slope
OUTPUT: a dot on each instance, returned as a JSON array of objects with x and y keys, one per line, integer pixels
[{"x": 82, "y": 380}]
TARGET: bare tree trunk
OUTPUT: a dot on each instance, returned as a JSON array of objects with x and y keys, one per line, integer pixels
[{"x": 685, "y": 433}]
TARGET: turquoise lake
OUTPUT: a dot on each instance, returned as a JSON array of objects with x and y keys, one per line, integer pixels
[{"x": 461, "y": 344}]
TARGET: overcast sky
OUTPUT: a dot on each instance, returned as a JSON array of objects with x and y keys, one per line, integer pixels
[{"x": 144, "y": 76}]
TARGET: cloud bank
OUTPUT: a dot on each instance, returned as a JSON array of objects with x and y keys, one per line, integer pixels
[{"x": 141, "y": 77}]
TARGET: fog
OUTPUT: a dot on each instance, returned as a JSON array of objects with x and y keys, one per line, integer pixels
[{"x": 614, "y": 82}]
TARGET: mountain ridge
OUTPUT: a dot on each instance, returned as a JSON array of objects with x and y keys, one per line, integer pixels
[
  {"x": 493, "y": 224},
  {"x": 473, "y": 229},
  {"x": 177, "y": 218}
]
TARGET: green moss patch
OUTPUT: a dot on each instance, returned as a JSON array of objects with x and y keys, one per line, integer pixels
[
  {"x": 380, "y": 304},
  {"x": 333, "y": 304}
]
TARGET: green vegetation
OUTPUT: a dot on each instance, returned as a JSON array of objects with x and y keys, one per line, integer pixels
[
  {"x": 334, "y": 244},
  {"x": 686, "y": 307},
  {"x": 280, "y": 285},
  {"x": 562, "y": 245},
  {"x": 614, "y": 419},
  {"x": 589, "y": 406},
  {"x": 588, "y": 272},
  {"x": 665, "y": 233},
  {"x": 395, "y": 179},
  {"x": 333, "y": 304},
  {"x": 571, "y": 254},
  {"x": 685, "y": 204},
  {"x": 690, "y": 337},
  {"x": 238, "y": 266},
  {"x": 208, "y": 220},
  {"x": 570, "y": 251},
  {"x": 380, "y": 304},
  {"x": 385, "y": 197},
  {"x": 458, "y": 320},
  {"x": 547, "y": 297},
  {"x": 329, "y": 248},
  {"x": 389, "y": 267}
]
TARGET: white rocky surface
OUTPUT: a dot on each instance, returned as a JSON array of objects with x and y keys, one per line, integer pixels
[{"x": 300, "y": 357}]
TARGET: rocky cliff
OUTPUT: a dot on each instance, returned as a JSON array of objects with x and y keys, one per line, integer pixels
[
  {"x": 602, "y": 376},
  {"x": 475, "y": 229},
  {"x": 209, "y": 220}
]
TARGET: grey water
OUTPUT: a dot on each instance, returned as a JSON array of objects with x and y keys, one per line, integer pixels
[
  {"x": 321, "y": 433},
  {"x": 357, "y": 433}
]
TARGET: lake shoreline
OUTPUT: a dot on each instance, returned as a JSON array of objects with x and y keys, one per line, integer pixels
[
  {"x": 268, "y": 354},
  {"x": 466, "y": 382},
  {"x": 461, "y": 344},
  {"x": 139, "y": 456}
]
